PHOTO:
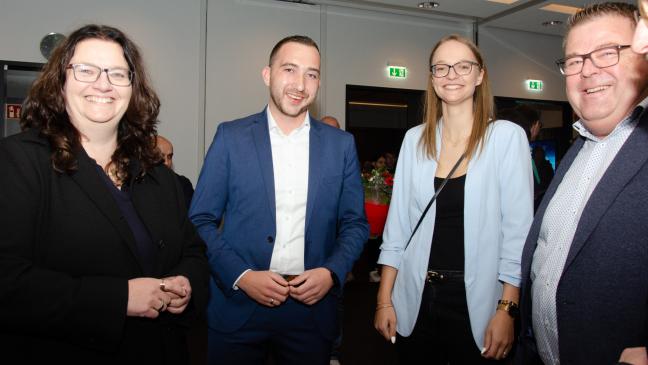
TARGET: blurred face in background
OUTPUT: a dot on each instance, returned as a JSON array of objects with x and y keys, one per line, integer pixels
[
  {"x": 640, "y": 40},
  {"x": 166, "y": 150}
]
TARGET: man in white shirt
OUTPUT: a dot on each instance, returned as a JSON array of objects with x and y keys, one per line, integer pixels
[
  {"x": 585, "y": 263},
  {"x": 290, "y": 193}
]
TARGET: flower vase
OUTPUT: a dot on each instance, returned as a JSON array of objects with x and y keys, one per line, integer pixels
[{"x": 376, "y": 208}]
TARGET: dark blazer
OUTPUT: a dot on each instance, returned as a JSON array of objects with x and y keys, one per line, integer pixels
[
  {"x": 66, "y": 256},
  {"x": 602, "y": 296},
  {"x": 237, "y": 181}
]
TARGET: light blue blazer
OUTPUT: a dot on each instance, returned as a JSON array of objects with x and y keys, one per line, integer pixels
[{"x": 498, "y": 211}]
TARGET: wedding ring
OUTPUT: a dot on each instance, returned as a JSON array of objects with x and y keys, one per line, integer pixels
[
  {"x": 271, "y": 300},
  {"x": 162, "y": 285}
]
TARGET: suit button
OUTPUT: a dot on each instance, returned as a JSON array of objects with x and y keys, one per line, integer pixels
[
  {"x": 160, "y": 243},
  {"x": 270, "y": 239}
]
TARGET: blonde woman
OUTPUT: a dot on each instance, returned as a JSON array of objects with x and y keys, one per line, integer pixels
[{"x": 451, "y": 294}]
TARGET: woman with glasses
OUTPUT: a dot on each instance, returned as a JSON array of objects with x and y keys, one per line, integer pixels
[
  {"x": 449, "y": 291},
  {"x": 98, "y": 261}
]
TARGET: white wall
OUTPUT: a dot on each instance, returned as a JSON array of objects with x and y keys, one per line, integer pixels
[
  {"x": 205, "y": 56},
  {"x": 513, "y": 57},
  {"x": 356, "y": 47},
  {"x": 168, "y": 33}
]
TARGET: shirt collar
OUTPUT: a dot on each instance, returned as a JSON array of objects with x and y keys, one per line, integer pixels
[
  {"x": 273, "y": 127},
  {"x": 628, "y": 122}
]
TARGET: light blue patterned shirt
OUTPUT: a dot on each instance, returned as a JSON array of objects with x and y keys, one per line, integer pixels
[{"x": 560, "y": 222}]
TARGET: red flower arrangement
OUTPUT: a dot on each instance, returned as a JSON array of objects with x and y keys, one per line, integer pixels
[{"x": 378, "y": 185}]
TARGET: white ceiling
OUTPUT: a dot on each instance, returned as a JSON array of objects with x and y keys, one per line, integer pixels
[{"x": 524, "y": 15}]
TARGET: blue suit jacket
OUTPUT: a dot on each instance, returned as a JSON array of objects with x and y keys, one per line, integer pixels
[
  {"x": 236, "y": 184},
  {"x": 602, "y": 296}
]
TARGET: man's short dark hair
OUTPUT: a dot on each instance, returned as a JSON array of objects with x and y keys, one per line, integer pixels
[
  {"x": 301, "y": 39},
  {"x": 593, "y": 11}
]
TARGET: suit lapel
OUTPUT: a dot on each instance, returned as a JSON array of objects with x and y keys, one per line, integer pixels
[
  {"x": 315, "y": 148},
  {"x": 630, "y": 158},
  {"x": 261, "y": 135},
  {"x": 90, "y": 182}
]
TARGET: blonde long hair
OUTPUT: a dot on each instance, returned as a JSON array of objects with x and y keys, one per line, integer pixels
[{"x": 483, "y": 106}]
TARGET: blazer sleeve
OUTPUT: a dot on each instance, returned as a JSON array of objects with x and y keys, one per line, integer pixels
[
  {"x": 207, "y": 209},
  {"x": 193, "y": 263},
  {"x": 516, "y": 203},
  {"x": 353, "y": 229},
  {"x": 34, "y": 300},
  {"x": 398, "y": 227}
]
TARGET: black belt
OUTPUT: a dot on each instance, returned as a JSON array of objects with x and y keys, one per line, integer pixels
[{"x": 442, "y": 276}]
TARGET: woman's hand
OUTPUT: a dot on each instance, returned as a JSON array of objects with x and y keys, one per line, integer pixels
[
  {"x": 385, "y": 321},
  {"x": 146, "y": 298},
  {"x": 179, "y": 290},
  {"x": 499, "y": 336}
]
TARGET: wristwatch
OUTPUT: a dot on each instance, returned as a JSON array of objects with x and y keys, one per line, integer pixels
[{"x": 509, "y": 307}]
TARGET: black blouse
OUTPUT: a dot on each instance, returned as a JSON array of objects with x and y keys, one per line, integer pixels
[{"x": 447, "y": 251}]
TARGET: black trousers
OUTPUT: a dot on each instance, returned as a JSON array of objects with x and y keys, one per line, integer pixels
[{"x": 442, "y": 333}]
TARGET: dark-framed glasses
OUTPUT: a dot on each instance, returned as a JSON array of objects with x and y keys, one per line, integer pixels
[
  {"x": 89, "y": 73},
  {"x": 460, "y": 68},
  {"x": 601, "y": 58}
]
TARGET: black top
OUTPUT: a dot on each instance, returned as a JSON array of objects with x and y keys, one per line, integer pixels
[
  {"x": 146, "y": 250},
  {"x": 447, "y": 251}
]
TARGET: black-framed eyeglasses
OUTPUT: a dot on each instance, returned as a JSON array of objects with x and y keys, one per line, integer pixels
[
  {"x": 601, "y": 58},
  {"x": 460, "y": 68},
  {"x": 89, "y": 73}
]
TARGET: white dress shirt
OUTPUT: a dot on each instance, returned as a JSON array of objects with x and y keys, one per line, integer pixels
[
  {"x": 290, "y": 167},
  {"x": 559, "y": 226}
]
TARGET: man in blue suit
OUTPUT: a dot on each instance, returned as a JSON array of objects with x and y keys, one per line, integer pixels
[
  {"x": 287, "y": 190},
  {"x": 584, "y": 295}
]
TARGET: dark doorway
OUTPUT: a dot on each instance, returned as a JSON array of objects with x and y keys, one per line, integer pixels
[
  {"x": 15, "y": 81},
  {"x": 556, "y": 118},
  {"x": 378, "y": 118}
]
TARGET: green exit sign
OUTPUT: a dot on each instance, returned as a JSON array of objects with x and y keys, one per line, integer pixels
[
  {"x": 534, "y": 85},
  {"x": 398, "y": 72}
]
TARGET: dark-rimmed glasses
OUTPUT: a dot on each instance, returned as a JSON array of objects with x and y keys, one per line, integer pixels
[
  {"x": 460, "y": 68},
  {"x": 601, "y": 58},
  {"x": 89, "y": 73}
]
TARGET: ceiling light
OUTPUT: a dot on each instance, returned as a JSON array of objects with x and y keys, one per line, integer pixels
[
  {"x": 564, "y": 9},
  {"x": 507, "y": 2},
  {"x": 428, "y": 5},
  {"x": 552, "y": 23}
]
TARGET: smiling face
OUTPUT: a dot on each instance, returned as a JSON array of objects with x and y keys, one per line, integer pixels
[
  {"x": 293, "y": 79},
  {"x": 454, "y": 89},
  {"x": 99, "y": 103},
  {"x": 602, "y": 97}
]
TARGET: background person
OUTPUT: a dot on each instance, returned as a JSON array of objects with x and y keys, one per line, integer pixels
[
  {"x": 452, "y": 294},
  {"x": 98, "y": 261},
  {"x": 166, "y": 150}
]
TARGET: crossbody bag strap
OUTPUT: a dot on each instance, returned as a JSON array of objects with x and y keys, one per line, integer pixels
[{"x": 443, "y": 183}]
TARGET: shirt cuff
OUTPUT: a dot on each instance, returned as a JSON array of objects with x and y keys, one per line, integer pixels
[{"x": 235, "y": 285}]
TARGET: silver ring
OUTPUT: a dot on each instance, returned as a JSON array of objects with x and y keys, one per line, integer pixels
[
  {"x": 162, "y": 285},
  {"x": 271, "y": 300}
]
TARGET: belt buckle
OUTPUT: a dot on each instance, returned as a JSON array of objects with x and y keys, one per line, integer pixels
[{"x": 434, "y": 276}]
